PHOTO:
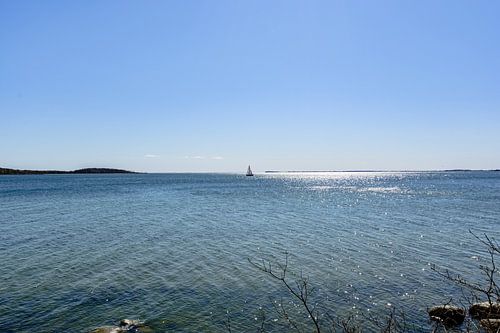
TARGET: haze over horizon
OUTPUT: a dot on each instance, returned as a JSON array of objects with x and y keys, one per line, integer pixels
[{"x": 215, "y": 86}]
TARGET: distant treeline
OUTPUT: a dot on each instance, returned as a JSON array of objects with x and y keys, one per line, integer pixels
[
  {"x": 320, "y": 171},
  {"x": 5, "y": 171}
]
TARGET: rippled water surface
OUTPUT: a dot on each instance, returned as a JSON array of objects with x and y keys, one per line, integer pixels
[{"x": 82, "y": 251}]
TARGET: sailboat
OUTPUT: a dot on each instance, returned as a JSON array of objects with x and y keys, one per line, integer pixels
[{"x": 249, "y": 171}]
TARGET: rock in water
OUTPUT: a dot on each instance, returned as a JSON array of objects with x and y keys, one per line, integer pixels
[
  {"x": 449, "y": 315},
  {"x": 107, "y": 329},
  {"x": 130, "y": 325},
  {"x": 490, "y": 325},
  {"x": 485, "y": 310},
  {"x": 125, "y": 326},
  {"x": 130, "y": 322}
]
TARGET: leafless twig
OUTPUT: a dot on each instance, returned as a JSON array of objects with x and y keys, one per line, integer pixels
[{"x": 301, "y": 291}]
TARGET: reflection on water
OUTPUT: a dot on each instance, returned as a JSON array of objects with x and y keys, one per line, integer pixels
[{"x": 80, "y": 251}]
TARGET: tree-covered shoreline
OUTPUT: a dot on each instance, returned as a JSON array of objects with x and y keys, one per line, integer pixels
[{"x": 6, "y": 171}]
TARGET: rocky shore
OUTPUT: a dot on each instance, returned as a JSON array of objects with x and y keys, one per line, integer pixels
[{"x": 486, "y": 313}]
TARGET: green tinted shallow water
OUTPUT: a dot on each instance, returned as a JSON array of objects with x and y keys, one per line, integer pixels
[{"x": 81, "y": 251}]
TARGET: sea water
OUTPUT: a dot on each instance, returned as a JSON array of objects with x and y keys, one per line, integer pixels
[{"x": 81, "y": 251}]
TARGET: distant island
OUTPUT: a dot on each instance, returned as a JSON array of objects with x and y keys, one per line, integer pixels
[
  {"x": 5, "y": 171},
  {"x": 323, "y": 171}
]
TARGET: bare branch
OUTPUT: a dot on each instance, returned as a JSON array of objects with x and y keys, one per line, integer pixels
[{"x": 301, "y": 290}]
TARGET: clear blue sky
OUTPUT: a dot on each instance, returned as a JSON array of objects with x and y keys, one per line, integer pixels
[{"x": 217, "y": 85}]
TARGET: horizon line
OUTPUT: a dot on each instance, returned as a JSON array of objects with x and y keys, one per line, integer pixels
[{"x": 265, "y": 171}]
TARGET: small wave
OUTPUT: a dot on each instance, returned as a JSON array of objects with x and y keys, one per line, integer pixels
[
  {"x": 393, "y": 189},
  {"x": 321, "y": 187}
]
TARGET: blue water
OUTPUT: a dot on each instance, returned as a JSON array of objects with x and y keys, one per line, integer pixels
[{"x": 82, "y": 251}]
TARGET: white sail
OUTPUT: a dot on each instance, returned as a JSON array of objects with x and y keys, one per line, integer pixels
[{"x": 249, "y": 171}]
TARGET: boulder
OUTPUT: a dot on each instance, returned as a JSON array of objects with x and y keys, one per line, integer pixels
[
  {"x": 130, "y": 323},
  {"x": 125, "y": 326},
  {"x": 449, "y": 315},
  {"x": 485, "y": 310},
  {"x": 108, "y": 329},
  {"x": 490, "y": 325}
]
